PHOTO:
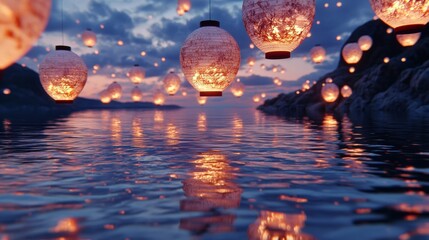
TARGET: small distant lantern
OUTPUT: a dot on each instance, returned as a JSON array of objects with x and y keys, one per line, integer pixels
[
  {"x": 180, "y": 11},
  {"x": 105, "y": 97},
  {"x": 330, "y": 92},
  {"x": 329, "y": 80},
  {"x": 89, "y": 38},
  {"x": 172, "y": 83},
  {"x": 63, "y": 74},
  {"x": 263, "y": 95},
  {"x": 408, "y": 40},
  {"x": 22, "y": 22},
  {"x": 7, "y": 91},
  {"x": 202, "y": 100},
  {"x": 185, "y": 5},
  {"x": 251, "y": 61},
  {"x": 256, "y": 98},
  {"x": 365, "y": 43},
  {"x": 184, "y": 93},
  {"x": 404, "y": 16},
  {"x": 318, "y": 54},
  {"x": 210, "y": 59},
  {"x": 386, "y": 60},
  {"x": 346, "y": 91},
  {"x": 306, "y": 85},
  {"x": 136, "y": 74},
  {"x": 136, "y": 94},
  {"x": 277, "y": 81},
  {"x": 237, "y": 89},
  {"x": 352, "y": 53},
  {"x": 115, "y": 90},
  {"x": 158, "y": 98},
  {"x": 278, "y": 27},
  {"x": 352, "y": 69}
]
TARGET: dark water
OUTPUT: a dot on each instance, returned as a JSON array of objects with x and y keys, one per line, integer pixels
[{"x": 212, "y": 174}]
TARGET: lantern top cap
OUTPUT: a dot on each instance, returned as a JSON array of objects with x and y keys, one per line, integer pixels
[
  {"x": 209, "y": 23},
  {"x": 409, "y": 29},
  {"x": 63, "y": 47}
]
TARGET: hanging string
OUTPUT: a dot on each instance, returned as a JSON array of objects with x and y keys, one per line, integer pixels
[
  {"x": 62, "y": 21},
  {"x": 210, "y": 9}
]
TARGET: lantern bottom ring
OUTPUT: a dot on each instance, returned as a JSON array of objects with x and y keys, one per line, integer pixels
[
  {"x": 277, "y": 55},
  {"x": 63, "y": 101},
  {"x": 211, "y": 94},
  {"x": 409, "y": 29}
]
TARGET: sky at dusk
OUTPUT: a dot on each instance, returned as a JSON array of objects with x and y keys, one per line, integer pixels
[{"x": 154, "y": 27}]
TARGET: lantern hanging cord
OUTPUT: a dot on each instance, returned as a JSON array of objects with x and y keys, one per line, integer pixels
[
  {"x": 62, "y": 21},
  {"x": 210, "y": 9}
]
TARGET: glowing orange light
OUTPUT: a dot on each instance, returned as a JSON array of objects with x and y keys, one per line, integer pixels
[
  {"x": 136, "y": 94},
  {"x": 136, "y": 74},
  {"x": 158, "y": 98},
  {"x": 352, "y": 53},
  {"x": 171, "y": 83},
  {"x": 89, "y": 38},
  {"x": 408, "y": 40},
  {"x": 346, "y": 91},
  {"x": 318, "y": 54},
  {"x": 365, "y": 42},
  {"x": 330, "y": 92}
]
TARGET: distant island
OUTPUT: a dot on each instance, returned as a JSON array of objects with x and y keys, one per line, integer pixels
[
  {"x": 28, "y": 95},
  {"x": 399, "y": 86}
]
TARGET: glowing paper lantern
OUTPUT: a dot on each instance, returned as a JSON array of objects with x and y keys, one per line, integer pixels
[
  {"x": 365, "y": 43},
  {"x": 158, "y": 98},
  {"x": 278, "y": 27},
  {"x": 184, "y": 4},
  {"x": 306, "y": 85},
  {"x": 136, "y": 94},
  {"x": 237, "y": 89},
  {"x": 63, "y": 74},
  {"x": 21, "y": 24},
  {"x": 352, "y": 69},
  {"x": 256, "y": 98},
  {"x": 318, "y": 54},
  {"x": 105, "y": 97},
  {"x": 277, "y": 81},
  {"x": 180, "y": 11},
  {"x": 346, "y": 91},
  {"x": 115, "y": 90},
  {"x": 89, "y": 38},
  {"x": 408, "y": 40},
  {"x": 210, "y": 59},
  {"x": 352, "y": 53},
  {"x": 172, "y": 83},
  {"x": 330, "y": 92},
  {"x": 251, "y": 61},
  {"x": 7, "y": 91},
  {"x": 202, "y": 100},
  {"x": 136, "y": 74},
  {"x": 408, "y": 16}
]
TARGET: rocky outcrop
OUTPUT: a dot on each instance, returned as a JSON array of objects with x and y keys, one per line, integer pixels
[{"x": 393, "y": 87}]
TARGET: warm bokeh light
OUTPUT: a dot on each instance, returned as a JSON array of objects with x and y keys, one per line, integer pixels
[
  {"x": 201, "y": 100},
  {"x": 89, "y": 38},
  {"x": 318, "y": 54},
  {"x": 237, "y": 89},
  {"x": 66, "y": 225},
  {"x": 251, "y": 61},
  {"x": 365, "y": 42},
  {"x": 22, "y": 22},
  {"x": 171, "y": 83},
  {"x": 105, "y": 97},
  {"x": 63, "y": 74},
  {"x": 330, "y": 92},
  {"x": 136, "y": 74},
  {"x": 136, "y": 94},
  {"x": 210, "y": 59},
  {"x": 7, "y": 91},
  {"x": 278, "y": 27},
  {"x": 346, "y": 91},
  {"x": 352, "y": 69},
  {"x": 184, "y": 4},
  {"x": 386, "y": 60},
  {"x": 306, "y": 85},
  {"x": 158, "y": 98},
  {"x": 256, "y": 98},
  {"x": 115, "y": 90},
  {"x": 352, "y": 53},
  {"x": 408, "y": 40}
]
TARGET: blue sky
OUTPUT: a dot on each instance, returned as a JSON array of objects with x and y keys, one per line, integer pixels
[{"x": 154, "y": 27}]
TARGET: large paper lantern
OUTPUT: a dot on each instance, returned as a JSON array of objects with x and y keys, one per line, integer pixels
[
  {"x": 89, "y": 38},
  {"x": 136, "y": 94},
  {"x": 210, "y": 59},
  {"x": 115, "y": 90},
  {"x": 278, "y": 27},
  {"x": 63, "y": 74},
  {"x": 352, "y": 53},
  {"x": 136, "y": 74},
  {"x": 408, "y": 40},
  {"x": 405, "y": 16},
  {"x": 365, "y": 42},
  {"x": 21, "y": 24},
  {"x": 105, "y": 97},
  {"x": 318, "y": 54},
  {"x": 330, "y": 92},
  {"x": 237, "y": 89},
  {"x": 171, "y": 83},
  {"x": 158, "y": 98},
  {"x": 346, "y": 91}
]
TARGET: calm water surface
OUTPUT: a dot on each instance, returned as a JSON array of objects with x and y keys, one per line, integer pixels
[{"x": 212, "y": 174}]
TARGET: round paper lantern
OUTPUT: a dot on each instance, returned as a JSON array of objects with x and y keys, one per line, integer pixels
[
  {"x": 237, "y": 89},
  {"x": 278, "y": 27},
  {"x": 330, "y": 92},
  {"x": 210, "y": 59},
  {"x": 21, "y": 24},
  {"x": 202, "y": 100},
  {"x": 172, "y": 83},
  {"x": 405, "y": 16},
  {"x": 184, "y": 4},
  {"x": 318, "y": 54},
  {"x": 136, "y": 94},
  {"x": 89, "y": 38},
  {"x": 158, "y": 98},
  {"x": 7, "y": 91},
  {"x": 105, "y": 97},
  {"x": 256, "y": 98},
  {"x": 136, "y": 74},
  {"x": 408, "y": 40},
  {"x": 63, "y": 74},
  {"x": 365, "y": 43},
  {"x": 115, "y": 90},
  {"x": 251, "y": 61},
  {"x": 352, "y": 53},
  {"x": 346, "y": 91}
]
